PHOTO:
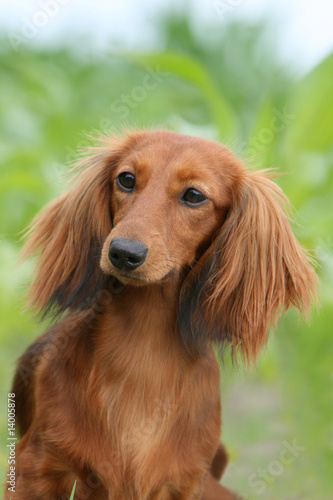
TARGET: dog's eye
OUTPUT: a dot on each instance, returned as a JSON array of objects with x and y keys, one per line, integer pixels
[
  {"x": 193, "y": 197},
  {"x": 126, "y": 181}
]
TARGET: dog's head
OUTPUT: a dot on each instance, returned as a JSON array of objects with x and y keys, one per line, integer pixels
[
  {"x": 170, "y": 194},
  {"x": 158, "y": 206}
]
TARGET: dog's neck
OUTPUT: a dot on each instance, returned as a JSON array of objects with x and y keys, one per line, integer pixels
[
  {"x": 140, "y": 316},
  {"x": 158, "y": 301},
  {"x": 160, "y": 297}
]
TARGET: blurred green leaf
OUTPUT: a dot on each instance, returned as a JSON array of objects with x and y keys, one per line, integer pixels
[
  {"x": 312, "y": 104},
  {"x": 261, "y": 145},
  {"x": 73, "y": 491},
  {"x": 186, "y": 67}
]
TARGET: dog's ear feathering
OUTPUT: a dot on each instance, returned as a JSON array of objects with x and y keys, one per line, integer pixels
[
  {"x": 254, "y": 270},
  {"x": 68, "y": 236}
]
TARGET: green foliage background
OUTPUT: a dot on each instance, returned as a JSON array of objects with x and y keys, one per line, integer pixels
[{"x": 233, "y": 88}]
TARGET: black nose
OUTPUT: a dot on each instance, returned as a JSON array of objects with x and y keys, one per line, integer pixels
[{"x": 127, "y": 254}]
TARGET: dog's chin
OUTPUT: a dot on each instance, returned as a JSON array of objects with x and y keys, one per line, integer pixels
[
  {"x": 132, "y": 278},
  {"x": 129, "y": 279}
]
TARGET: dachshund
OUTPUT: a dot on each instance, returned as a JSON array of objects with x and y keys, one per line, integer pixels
[{"x": 164, "y": 254}]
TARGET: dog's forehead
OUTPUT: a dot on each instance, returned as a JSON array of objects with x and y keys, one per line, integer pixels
[
  {"x": 171, "y": 144},
  {"x": 173, "y": 152}
]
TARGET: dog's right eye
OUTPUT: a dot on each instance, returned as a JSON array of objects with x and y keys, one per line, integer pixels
[{"x": 126, "y": 181}]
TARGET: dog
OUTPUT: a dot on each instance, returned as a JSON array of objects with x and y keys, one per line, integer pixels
[{"x": 165, "y": 254}]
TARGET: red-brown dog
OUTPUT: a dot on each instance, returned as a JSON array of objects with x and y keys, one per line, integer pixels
[{"x": 164, "y": 247}]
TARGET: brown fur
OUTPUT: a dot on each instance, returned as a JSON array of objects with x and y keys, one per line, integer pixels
[{"x": 122, "y": 394}]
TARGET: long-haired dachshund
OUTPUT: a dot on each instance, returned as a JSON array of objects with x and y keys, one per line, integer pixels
[{"x": 165, "y": 248}]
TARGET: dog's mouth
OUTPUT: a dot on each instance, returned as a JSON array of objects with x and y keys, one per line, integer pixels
[
  {"x": 133, "y": 278},
  {"x": 129, "y": 278}
]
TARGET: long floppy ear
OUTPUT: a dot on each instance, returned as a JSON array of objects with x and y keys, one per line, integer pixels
[
  {"x": 254, "y": 270},
  {"x": 68, "y": 235}
]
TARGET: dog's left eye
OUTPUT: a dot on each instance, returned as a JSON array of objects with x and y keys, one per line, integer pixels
[
  {"x": 126, "y": 181},
  {"x": 193, "y": 197}
]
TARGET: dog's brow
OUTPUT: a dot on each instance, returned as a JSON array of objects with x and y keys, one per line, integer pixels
[
  {"x": 193, "y": 173},
  {"x": 189, "y": 172}
]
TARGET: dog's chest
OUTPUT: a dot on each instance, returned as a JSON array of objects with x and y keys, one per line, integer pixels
[
  {"x": 142, "y": 402},
  {"x": 155, "y": 400}
]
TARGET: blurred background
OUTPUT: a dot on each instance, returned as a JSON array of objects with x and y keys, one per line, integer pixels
[{"x": 257, "y": 76}]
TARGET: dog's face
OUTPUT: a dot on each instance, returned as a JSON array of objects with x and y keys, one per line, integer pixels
[{"x": 169, "y": 196}]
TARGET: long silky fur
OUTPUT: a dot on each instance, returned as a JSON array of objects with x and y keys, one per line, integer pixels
[
  {"x": 68, "y": 236},
  {"x": 255, "y": 270}
]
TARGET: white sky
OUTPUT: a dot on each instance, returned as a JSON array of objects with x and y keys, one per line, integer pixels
[{"x": 305, "y": 27}]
